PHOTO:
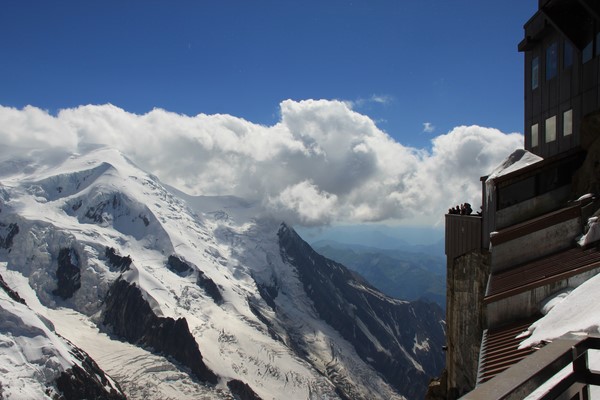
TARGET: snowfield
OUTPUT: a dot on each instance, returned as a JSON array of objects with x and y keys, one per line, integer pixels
[{"x": 70, "y": 209}]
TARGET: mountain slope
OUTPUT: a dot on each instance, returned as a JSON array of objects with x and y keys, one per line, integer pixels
[
  {"x": 182, "y": 297},
  {"x": 38, "y": 363},
  {"x": 403, "y": 274},
  {"x": 380, "y": 328}
]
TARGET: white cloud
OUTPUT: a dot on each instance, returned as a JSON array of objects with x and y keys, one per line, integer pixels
[
  {"x": 382, "y": 99},
  {"x": 322, "y": 163},
  {"x": 428, "y": 127}
]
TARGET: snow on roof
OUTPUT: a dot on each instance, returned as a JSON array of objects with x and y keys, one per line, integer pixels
[
  {"x": 519, "y": 158},
  {"x": 576, "y": 311}
]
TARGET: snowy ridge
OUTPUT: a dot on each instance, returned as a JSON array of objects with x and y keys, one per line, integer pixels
[
  {"x": 35, "y": 360},
  {"x": 217, "y": 263}
]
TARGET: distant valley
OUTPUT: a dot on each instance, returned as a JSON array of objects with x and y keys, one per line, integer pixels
[{"x": 408, "y": 272}]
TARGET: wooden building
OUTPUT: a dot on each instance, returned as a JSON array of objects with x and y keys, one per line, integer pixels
[
  {"x": 562, "y": 70},
  {"x": 522, "y": 248}
]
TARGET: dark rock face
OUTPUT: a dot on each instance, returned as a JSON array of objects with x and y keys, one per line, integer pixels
[
  {"x": 256, "y": 310},
  {"x": 7, "y": 234},
  {"x": 210, "y": 287},
  {"x": 88, "y": 382},
  {"x": 268, "y": 293},
  {"x": 11, "y": 293},
  {"x": 131, "y": 317},
  {"x": 182, "y": 268},
  {"x": 68, "y": 274},
  {"x": 96, "y": 213},
  {"x": 241, "y": 390},
  {"x": 345, "y": 301},
  {"x": 116, "y": 261},
  {"x": 179, "y": 266}
]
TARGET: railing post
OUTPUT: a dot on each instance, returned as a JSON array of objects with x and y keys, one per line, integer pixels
[{"x": 581, "y": 370}]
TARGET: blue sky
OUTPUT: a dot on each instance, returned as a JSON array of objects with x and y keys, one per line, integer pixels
[
  {"x": 402, "y": 63},
  {"x": 322, "y": 112}
]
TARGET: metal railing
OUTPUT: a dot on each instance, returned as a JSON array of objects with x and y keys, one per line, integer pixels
[{"x": 542, "y": 367}]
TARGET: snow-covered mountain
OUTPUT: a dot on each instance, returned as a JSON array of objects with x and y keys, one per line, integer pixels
[{"x": 111, "y": 277}]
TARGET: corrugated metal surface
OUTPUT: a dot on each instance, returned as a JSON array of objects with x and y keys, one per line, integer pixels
[
  {"x": 541, "y": 272},
  {"x": 500, "y": 350},
  {"x": 463, "y": 234}
]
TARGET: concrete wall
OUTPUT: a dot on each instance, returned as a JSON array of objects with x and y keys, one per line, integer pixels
[
  {"x": 532, "y": 208},
  {"x": 535, "y": 245},
  {"x": 467, "y": 278},
  {"x": 527, "y": 304}
]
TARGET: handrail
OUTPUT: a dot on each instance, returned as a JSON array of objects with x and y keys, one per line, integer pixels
[{"x": 523, "y": 378}]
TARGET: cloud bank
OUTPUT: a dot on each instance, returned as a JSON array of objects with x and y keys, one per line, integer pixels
[{"x": 321, "y": 163}]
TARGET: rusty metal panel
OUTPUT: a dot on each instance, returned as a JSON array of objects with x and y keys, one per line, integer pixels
[{"x": 500, "y": 350}]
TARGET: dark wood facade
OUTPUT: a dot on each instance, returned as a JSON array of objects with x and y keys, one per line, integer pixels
[{"x": 562, "y": 73}]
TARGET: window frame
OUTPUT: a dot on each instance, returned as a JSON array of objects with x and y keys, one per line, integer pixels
[
  {"x": 568, "y": 122},
  {"x": 567, "y": 55},
  {"x": 551, "y": 61},
  {"x": 550, "y": 129},
  {"x": 535, "y": 135},
  {"x": 535, "y": 72}
]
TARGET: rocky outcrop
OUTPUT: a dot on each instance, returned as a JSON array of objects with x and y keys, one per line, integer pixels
[
  {"x": 11, "y": 293},
  {"x": 130, "y": 317},
  {"x": 117, "y": 262},
  {"x": 179, "y": 266},
  {"x": 436, "y": 390},
  {"x": 241, "y": 390},
  {"x": 7, "y": 234},
  {"x": 386, "y": 333},
  {"x": 182, "y": 268},
  {"x": 210, "y": 287},
  {"x": 87, "y": 381},
  {"x": 268, "y": 293},
  {"x": 68, "y": 274}
]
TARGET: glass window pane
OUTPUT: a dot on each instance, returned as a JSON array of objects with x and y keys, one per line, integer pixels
[
  {"x": 551, "y": 61},
  {"x": 534, "y": 135},
  {"x": 568, "y": 55},
  {"x": 567, "y": 122},
  {"x": 535, "y": 69},
  {"x": 551, "y": 129}
]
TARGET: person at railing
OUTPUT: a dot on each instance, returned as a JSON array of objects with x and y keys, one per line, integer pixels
[{"x": 463, "y": 209}]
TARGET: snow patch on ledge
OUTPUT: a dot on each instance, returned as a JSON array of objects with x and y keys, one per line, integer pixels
[{"x": 577, "y": 312}]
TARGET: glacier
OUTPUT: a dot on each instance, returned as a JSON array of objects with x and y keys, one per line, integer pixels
[{"x": 176, "y": 296}]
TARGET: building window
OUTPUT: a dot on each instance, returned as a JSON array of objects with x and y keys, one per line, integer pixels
[
  {"x": 534, "y": 135},
  {"x": 568, "y": 122},
  {"x": 551, "y": 61},
  {"x": 588, "y": 52},
  {"x": 551, "y": 129},
  {"x": 568, "y": 55},
  {"x": 535, "y": 70}
]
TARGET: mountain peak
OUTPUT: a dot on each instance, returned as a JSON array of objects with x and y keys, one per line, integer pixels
[{"x": 110, "y": 255}]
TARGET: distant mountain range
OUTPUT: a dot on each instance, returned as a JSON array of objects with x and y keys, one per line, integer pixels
[
  {"x": 410, "y": 238},
  {"x": 409, "y": 272}
]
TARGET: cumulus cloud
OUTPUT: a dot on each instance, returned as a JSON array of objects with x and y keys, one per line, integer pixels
[
  {"x": 428, "y": 127},
  {"x": 321, "y": 163}
]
